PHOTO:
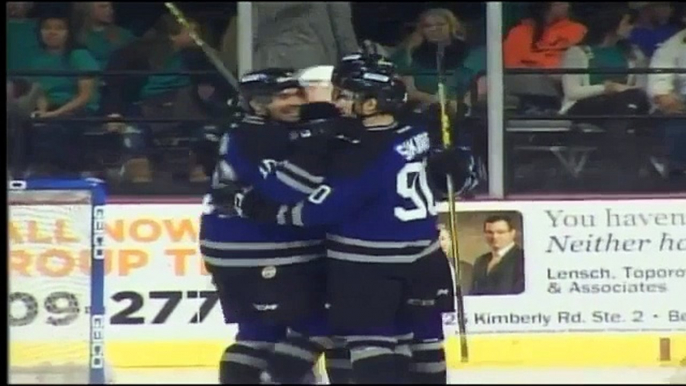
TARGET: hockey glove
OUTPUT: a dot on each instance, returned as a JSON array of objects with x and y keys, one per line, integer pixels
[
  {"x": 249, "y": 204},
  {"x": 457, "y": 162},
  {"x": 223, "y": 198}
]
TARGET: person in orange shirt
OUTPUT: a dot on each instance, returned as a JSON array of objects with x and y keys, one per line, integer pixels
[{"x": 540, "y": 41}]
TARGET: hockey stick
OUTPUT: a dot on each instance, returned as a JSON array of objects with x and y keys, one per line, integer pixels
[
  {"x": 452, "y": 214},
  {"x": 209, "y": 52}
]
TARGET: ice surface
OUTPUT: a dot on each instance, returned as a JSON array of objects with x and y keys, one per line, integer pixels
[{"x": 659, "y": 375}]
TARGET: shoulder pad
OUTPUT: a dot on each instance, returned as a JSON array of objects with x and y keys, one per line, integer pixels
[
  {"x": 260, "y": 139},
  {"x": 318, "y": 110},
  {"x": 355, "y": 155}
]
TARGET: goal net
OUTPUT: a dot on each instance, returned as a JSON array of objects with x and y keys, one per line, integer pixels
[{"x": 56, "y": 281}]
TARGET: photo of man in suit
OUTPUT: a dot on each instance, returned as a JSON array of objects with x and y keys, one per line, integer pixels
[{"x": 500, "y": 271}]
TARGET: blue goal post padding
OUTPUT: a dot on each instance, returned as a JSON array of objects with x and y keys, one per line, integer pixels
[{"x": 97, "y": 302}]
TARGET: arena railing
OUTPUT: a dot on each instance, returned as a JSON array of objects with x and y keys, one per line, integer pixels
[
  {"x": 500, "y": 157},
  {"x": 496, "y": 94},
  {"x": 123, "y": 189},
  {"x": 112, "y": 74},
  {"x": 574, "y": 163}
]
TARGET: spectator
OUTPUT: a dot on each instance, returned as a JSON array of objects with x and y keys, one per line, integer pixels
[
  {"x": 17, "y": 123},
  {"x": 475, "y": 65},
  {"x": 605, "y": 46},
  {"x": 97, "y": 30},
  {"x": 514, "y": 12},
  {"x": 668, "y": 91},
  {"x": 22, "y": 39},
  {"x": 418, "y": 61},
  {"x": 22, "y": 46},
  {"x": 163, "y": 49},
  {"x": 540, "y": 41},
  {"x": 302, "y": 34},
  {"x": 61, "y": 145},
  {"x": 653, "y": 25},
  {"x": 63, "y": 95}
]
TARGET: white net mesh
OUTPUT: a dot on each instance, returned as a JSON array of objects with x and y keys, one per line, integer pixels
[{"x": 50, "y": 286}]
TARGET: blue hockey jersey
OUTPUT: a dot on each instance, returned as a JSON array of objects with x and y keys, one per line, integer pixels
[
  {"x": 376, "y": 202},
  {"x": 249, "y": 154}
]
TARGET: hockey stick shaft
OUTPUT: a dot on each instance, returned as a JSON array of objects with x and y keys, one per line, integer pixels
[
  {"x": 209, "y": 52},
  {"x": 452, "y": 213}
]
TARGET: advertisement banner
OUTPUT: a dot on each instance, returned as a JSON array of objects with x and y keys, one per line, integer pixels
[
  {"x": 156, "y": 285},
  {"x": 528, "y": 268},
  {"x": 579, "y": 266}
]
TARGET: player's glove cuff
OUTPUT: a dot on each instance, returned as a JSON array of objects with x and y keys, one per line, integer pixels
[
  {"x": 223, "y": 198},
  {"x": 250, "y": 204}
]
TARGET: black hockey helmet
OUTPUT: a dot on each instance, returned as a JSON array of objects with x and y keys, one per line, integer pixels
[
  {"x": 265, "y": 84},
  {"x": 352, "y": 64},
  {"x": 371, "y": 76}
]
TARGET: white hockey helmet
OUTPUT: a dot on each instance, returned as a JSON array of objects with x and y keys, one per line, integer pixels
[
  {"x": 315, "y": 75},
  {"x": 316, "y": 81}
]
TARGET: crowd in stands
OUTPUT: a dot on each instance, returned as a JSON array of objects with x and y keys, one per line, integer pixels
[
  {"x": 86, "y": 37},
  {"x": 612, "y": 36}
]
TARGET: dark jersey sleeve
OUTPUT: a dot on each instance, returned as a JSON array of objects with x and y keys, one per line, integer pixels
[
  {"x": 291, "y": 175},
  {"x": 314, "y": 147},
  {"x": 254, "y": 166},
  {"x": 331, "y": 202},
  {"x": 355, "y": 179},
  {"x": 334, "y": 200}
]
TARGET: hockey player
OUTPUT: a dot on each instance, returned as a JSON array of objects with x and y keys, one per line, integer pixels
[
  {"x": 268, "y": 276},
  {"x": 379, "y": 211},
  {"x": 428, "y": 356},
  {"x": 428, "y": 359}
]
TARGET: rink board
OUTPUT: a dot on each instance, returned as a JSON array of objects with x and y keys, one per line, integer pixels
[
  {"x": 522, "y": 350},
  {"x": 152, "y": 262}
]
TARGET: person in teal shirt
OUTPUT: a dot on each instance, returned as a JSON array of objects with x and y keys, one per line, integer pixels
[
  {"x": 475, "y": 62},
  {"x": 22, "y": 36},
  {"x": 98, "y": 32},
  {"x": 160, "y": 84},
  {"x": 159, "y": 50},
  {"x": 417, "y": 59},
  {"x": 610, "y": 96},
  {"x": 474, "y": 73},
  {"x": 163, "y": 49},
  {"x": 60, "y": 145},
  {"x": 21, "y": 47},
  {"x": 63, "y": 95}
]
